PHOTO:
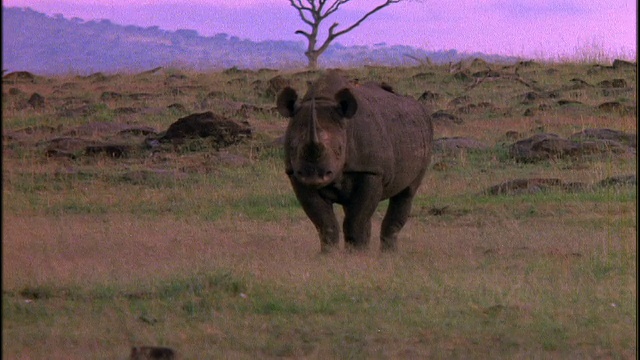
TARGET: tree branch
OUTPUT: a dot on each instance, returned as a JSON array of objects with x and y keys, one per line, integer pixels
[
  {"x": 357, "y": 23},
  {"x": 332, "y": 36},
  {"x": 297, "y": 4},
  {"x": 303, "y": 33},
  {"x": 334, "y": 7}
]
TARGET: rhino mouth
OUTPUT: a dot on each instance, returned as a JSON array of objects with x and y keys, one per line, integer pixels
[{"x": 313, "y": 176}]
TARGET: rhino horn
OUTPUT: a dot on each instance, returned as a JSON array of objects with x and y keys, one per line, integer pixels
[
  {"x": 314, "y": 148},
  {"x": 313, "y": 126}
]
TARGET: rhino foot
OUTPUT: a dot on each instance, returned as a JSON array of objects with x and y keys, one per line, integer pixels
[
  {"x": 327, "y": 248},
  {"x": 356, "y": 247},
  {"x": 388, "y": 245}
]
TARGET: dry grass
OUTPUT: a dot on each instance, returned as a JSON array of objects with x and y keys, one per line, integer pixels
[
  {"x": 217, "y": 260},
  {"x": 428, "y": 300}
]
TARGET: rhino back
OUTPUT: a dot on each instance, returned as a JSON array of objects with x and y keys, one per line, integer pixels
[{"x": 391, "y": 135}]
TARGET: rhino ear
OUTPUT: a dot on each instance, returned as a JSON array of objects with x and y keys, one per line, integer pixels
[
  {"x": 347, "y": 104},
  {"x": 286, "y": 102}
]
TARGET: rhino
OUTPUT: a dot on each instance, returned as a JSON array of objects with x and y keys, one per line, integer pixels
[{"x": 354, "y": 145}]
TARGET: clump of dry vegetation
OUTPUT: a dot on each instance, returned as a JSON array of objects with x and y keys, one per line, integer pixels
[{"x": 522, "y": 241}]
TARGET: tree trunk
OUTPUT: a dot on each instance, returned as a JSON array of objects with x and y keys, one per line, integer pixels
[{"x": 312, "y": 56}]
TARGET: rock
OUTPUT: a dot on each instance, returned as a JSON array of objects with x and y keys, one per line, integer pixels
[
  {"x": 481, "y": 107},
  {"x": 215, "y": 94},
  {"x": 528, "y": 63},
  {"x": 461, "y": 76},
  {"x": 98, "y": 128},
  {"x": 232, "y": 70},
  {"x": 247, "y": 109},
  {"x": 549, "y": 146},
  {"x": 95, "y": 77},
  {"x": 73, "y": 147},
  {"x": 19, "y": 76},
  {"x": 621, "y": 64},
  {"x": 275, "y": 85},
  {"x": 141, "y": 96},
  {"x": 78, "y": 111},
  {"x": 442, "y": 116},
  {"x": 16, "y": 92},
  {"x": 486, "y": 73},
  {"x": 615, "y": 107},
  {"x": 576, "y": 84},
  {"x": 36, "y": 101},
  {"x": 42, "y": 129},
  {"x": 534, "y": 96},
  {"x": 619, "y": 180},
  {"x": 429, "y": 96},
  {"x": 231, "y": 159},
  {"x": 177, "y": 107},
  {"x": 565, "y": 102},
  {"x": 478, "y": 63},
  {"x": 111, "y": 149},
  {"x": 174, "y": 91},
  {"x": 601, "y": 147},
  {"x": 201, "y": 125},
  {"x": 110, "y": 95},
  {"x": 622, "y": 137},
  {"x": 266, "y": 70},
  {"x": 522, "y": 149},
  {"x": 152, "y": 71},
  {"x": 152, "y": 353},
  {"x": 554, "y": 148},
  {"x": 153, "y": 176},
  {"x": 137, "y": 130},
  {"x": 523, "y": 186},
  {"x": 222, "y": 107},
  {"x": 460, "y": 100},
  {"x": 126, "y": 110},
  {"x": 66, "y": 146},
  {"x": 456, "y": 144},
  {"x": 535, "y": 185},
  {"x": 513, "y": 135},
  {"x": 441, "y": 166},
  {"x": 423, "y": 75},
  {"x": 529, "y": 97},
  {"x": 28, "y": 135},
  {"x": 614, "y": 83}
]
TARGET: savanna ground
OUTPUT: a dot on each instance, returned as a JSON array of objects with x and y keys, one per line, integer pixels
[{"x": 204, "y": 249}]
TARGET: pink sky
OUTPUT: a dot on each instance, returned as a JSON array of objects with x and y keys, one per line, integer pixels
[{"x": 542, "y": 28}]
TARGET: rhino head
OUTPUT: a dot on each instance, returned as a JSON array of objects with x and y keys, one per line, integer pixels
[{"x": 316, "y": 139}]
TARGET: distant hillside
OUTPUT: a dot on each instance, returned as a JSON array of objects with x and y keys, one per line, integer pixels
[{"x": 35, "y": 42}]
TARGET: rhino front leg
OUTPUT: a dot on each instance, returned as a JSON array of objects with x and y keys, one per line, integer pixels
[
  {"x": 359, "y": 209},
  {"x": 395, "y": 218},
  {"x": 320, "y": 212}
]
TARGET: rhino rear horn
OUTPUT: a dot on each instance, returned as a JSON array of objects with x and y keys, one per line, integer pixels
[
  {"x": 347, "y": 104},
  {"x": 287, "y": 101}
]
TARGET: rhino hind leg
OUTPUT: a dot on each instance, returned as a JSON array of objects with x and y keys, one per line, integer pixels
[{"x": 397, "y": 214}]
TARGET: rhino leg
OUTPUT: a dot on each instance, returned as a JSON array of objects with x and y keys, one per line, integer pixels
[
  {"x": 395, "y": 218},
  {"x": 358, "y": 211},
  {"x": 320, "y": 212}
]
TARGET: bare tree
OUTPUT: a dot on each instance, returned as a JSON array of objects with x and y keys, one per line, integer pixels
[{"x": 314, "y": 12}]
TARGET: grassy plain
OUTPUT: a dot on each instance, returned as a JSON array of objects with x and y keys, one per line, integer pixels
[{"x": 211, "y": 255}]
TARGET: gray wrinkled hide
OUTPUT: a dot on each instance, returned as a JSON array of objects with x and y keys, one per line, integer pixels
[{"x": 388, "y": 148}]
